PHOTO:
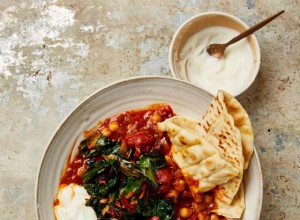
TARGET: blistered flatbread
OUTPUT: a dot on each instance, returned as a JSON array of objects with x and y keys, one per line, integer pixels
[
  {"x": 187, "y": 146},
  {"x": 230, "y": 148},
  {"x": 182, "y": 131},
  {"x": 235, "y": 209},
  {"x": 193, "y": 154},
  {"x": 227, "y": 119},
  {"x": 197, "y": 156},
  {"x": 225, "y": 103},
  {"x": 210, "y": 172}
]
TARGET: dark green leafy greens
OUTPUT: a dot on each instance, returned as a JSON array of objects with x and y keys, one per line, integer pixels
[
  {"x": 100, "y": 180},
  {"x": 117, "y": 179},
  {"x": 83, "y": 147},
  {"x": 128, "y": 169},
  {"x": 96, "y": 189},
  {"x": 146, "y": 209},
  {"x": 149, "y": 164},
  {"x": 103, "y": 146},
  {"x": 164, "y": 209},
  {"x": 95, "y": 171},
  {"x": 133, "y": 185}
]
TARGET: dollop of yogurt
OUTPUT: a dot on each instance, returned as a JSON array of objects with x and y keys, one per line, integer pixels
[
  {"x": 71, "y": 204},
  {"x": 230, "y": 73}
]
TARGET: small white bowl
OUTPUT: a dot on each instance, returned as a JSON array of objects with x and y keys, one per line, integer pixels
[
  {"x": 116, "y": 98},
  {"x": 210, "y": 19}
]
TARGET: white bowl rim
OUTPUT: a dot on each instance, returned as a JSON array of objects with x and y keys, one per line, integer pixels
[
  {"x": 114, "y": 84},
  {"x": 260, "y": 180},
  {"x": 256, "y": 44}
]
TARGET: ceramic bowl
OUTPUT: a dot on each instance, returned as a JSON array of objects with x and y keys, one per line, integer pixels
[
  {"x": 206, "y": 20},
  {"x": 139, "y": 92}
]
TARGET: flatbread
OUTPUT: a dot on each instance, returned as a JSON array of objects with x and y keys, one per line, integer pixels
[
  {"x": 230, "y": 148},
  {"x": 210, "y": 172},
  {"x": 224, "y": 102},
  {"x": 183, "y": 131},
  {"x": 198, "y": 157},
  {"x": 227, "y": 119},
  {"x": 235, "y": 209}
]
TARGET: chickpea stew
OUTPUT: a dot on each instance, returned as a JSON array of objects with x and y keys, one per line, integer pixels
[{"x": 126, "y": 166}]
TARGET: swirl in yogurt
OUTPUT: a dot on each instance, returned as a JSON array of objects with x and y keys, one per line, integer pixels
[{"x": 230, "y": 73}]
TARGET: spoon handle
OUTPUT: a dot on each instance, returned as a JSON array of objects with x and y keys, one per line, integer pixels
[{"x": 253, "y": 29}]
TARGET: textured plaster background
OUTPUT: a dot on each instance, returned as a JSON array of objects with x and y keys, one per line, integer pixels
[{"x": 55, "y": 53}]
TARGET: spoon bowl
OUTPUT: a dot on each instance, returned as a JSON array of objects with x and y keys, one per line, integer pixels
[{"x": 201, "y": 22}]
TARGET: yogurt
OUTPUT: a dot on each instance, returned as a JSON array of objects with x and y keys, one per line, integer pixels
[
  {"x": 71, "y": 204},
  {"x": 230, "y": 73}
]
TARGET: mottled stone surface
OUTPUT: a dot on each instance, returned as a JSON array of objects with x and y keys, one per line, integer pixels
[{"x": 53, "y": 54}]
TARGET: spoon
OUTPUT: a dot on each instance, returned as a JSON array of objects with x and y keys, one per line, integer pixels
[{"x": 217, "y": 50}]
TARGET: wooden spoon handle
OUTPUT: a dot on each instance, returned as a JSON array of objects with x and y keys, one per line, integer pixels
[{"x": 253, "y": 29}]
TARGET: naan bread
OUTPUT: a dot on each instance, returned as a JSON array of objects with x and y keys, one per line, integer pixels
[
  {"x": 197, "y": 157},
  {"x": 235, "y": 209},
  {"x": 227, "y": 119},
  {"x": 182, "y": 131},
  {"x": 225, "y": 103},
  {"x": 210, "y": 172},
  {"x": 194, "y": 154},
  {"x": 187, "y": 147},
  {"x": 230, "y": 148}
]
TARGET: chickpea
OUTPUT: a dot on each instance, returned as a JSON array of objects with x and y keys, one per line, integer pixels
[
  {"x": 179, "y": 185},
  {"x": 202, "y": 216},
  {"x": 172, "y": 194},
  {"x": 113, "y": 126},
  {"x": 214, "y": 217},
  {"x": 185, "y": 212},
  {"x": 208, "y": 199},
  {"x": 198, "y": 197},
  {"x": 103, "y": 201},
  {"x": 198, "y": 207},
  {"x": 156, "y": 118},
  {"x": 106, "y": 132}
]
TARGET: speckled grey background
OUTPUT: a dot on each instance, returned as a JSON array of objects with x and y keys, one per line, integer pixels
[{"x": 53, "y": 54}]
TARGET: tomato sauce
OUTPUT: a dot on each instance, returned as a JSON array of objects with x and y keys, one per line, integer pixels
[{"x": 71, "y": 173}]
